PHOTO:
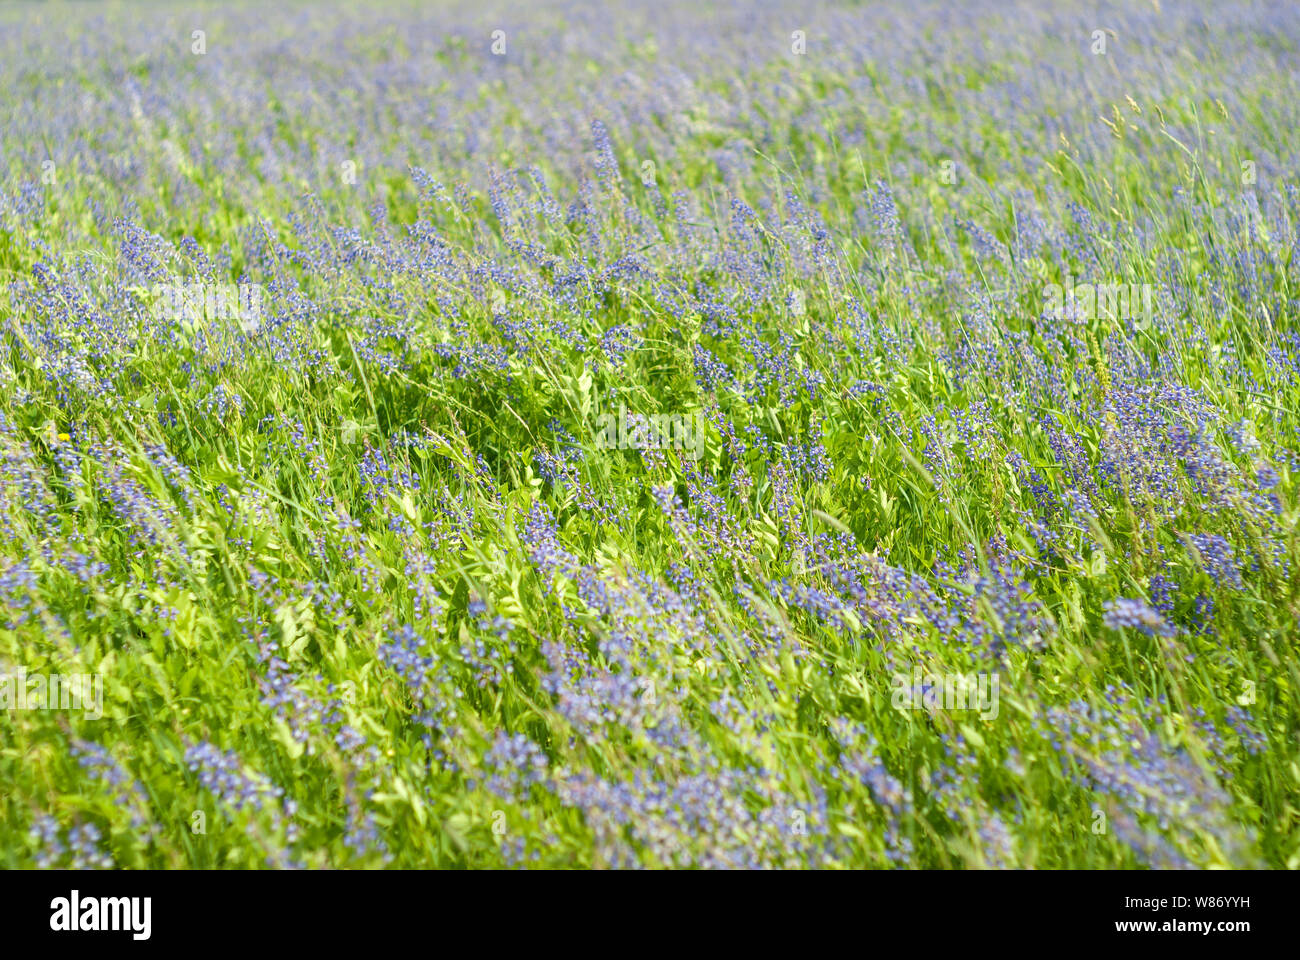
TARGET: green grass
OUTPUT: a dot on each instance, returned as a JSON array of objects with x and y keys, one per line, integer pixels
[{"x": 743, "y": 724}]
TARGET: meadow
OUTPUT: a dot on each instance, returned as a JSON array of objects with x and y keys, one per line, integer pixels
[{"x": 650, "y": 435}]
